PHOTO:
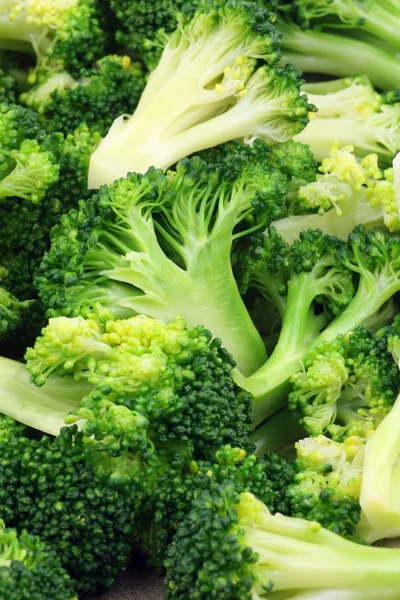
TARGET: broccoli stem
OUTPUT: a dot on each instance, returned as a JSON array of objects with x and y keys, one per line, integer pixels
[
  {"x": 320, "y": 52},
  {"x": 277, "y": 433},
  {"x": 376, "y": 135},
  {"x": 42, "y": 408},
  {"x": 379, "y": 489},
  {"x": 269, "y": 385},
  {"x": 303, "y": 559}
]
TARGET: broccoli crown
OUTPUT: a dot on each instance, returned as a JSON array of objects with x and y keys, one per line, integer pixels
[
  {"x": 47, "y": 487},
  {"x": 29, "y": 569},
  {"x": 294, "y": 159},
  {"x": 244, "y": 94},
  {"x": 97, "y": 98},
  {"x": 172, "y": 485},
  {"x": 391, "y": 334},
  {"x": 63, "y": 34},
  {"x": 269, "y": 263},
  {"x": 176, "y": 379},
  {"x": 231, "y": 547},
  {"x": 138, "y": 22},
  {"x": 327, "y": 483},
  {"x": 346, "y": 386},
  {"x": 160, "y": 245}
]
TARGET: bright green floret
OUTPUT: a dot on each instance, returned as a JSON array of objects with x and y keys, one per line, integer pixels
[
  {"x": 12, "y": 311},
  {"x": 30, "y": 569},
  {"x": 230, "y": 547},
  {"x": 295, "y": 279},
  {"x": 62, "y": 33},
  {"x": 175, "y": 378},
  {"x": 161, "y": 246},
  {"x": 346, "y": 193},
  {"x": 97, "y": 98},
  {"x": 346, "y": 387},
  {"x": 327, "y": 482},
  {"x": 224, "y": 85}
]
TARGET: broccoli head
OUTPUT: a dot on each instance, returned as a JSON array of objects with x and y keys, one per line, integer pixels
[
  {"x": 346, "y": 193},
  {"x": 30, "y": 569},
  {"x": 63, "y": 35},
  {"x": 176, "y": 379},
  {"x": 161, "y": 246},
  {"x": 73, "y": 507},
  {"x": 224, "y": 61},
  {"x": 346, "y": 386},
  {"x": 97, "y": 98},
  {"x": 231, "y": 547}
]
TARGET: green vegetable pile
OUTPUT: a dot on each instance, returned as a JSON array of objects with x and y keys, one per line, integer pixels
[{"x": 200, "y": 297}]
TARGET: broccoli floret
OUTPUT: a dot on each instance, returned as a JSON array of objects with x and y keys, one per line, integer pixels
[
  {"x": 320, "y": 275},
  {"x": 293, "y": 278},
  {"x": 97, "y": 98},
  {"x": 160, "y": 245},
  {"x": 348, "y": 192},
  {"x": 295, "y": 160},
  {"x": 231, "y": 547},
  {"x": 45, "y": 408},
  {"x": 178, "y": 379},
  {"x": 354, "y": 116},
  {"x": 140, "y": 23},
  {"x": 173, "y": 484},
  {"x": 72, "y": 506},
  {"x": 346, "y": 387},
  {"x": 327, "y": 482},
  {"x": 330, "y": 53},
  {"x": 30, "y": 569},
  {"x": 63, "y": 34},
  {"x": 224, "y": 61}
]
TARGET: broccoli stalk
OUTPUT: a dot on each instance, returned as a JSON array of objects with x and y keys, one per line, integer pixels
[
  {"x": 230, "y": 546},
  {"x": 43, "y": 409},
  {"x": 314, "y": 51},
  {"x": 216, "y": 81},
  {"x": 380, "y": 18},
  {"x": 381, "y": 478}
]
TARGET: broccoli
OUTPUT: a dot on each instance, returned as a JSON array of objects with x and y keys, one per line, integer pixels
[
  {"x": 98, "y": 97},
  {"x": 230, "y": 546},
  {"x": 175, "y": 378},
  {"x": 339, "y": 54},
  {"x": 45, "y": 408},
  {"x": 293, "y": 279},
  {"x": 75, "y": 506},
  {"x": 160, "y": 245},
  {"x": 369, "y": 131},
  {"x": 347, "y": 193},
  {"x": 173, "y": 484},
  {"x": 30, "y": 569},
  {"x": 380, "y": 18},
  {"x": 346, "y": 386},
  {"x": 11, "y": 310},
  {"x": 63, "y": 35},
  {"x": 139, "y": 23},
  {"x": 224, "y": 62},
  {"x": 8, "y": 88},
  {"x": 318, "y": 269},
  {"x": 326, "y": 483}
]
